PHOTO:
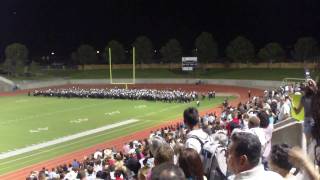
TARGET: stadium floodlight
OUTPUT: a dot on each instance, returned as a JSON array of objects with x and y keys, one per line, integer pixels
[{"x": 133, "y": 69}]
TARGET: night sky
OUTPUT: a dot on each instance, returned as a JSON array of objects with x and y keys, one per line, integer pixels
[{"x": 62, "y": 25}]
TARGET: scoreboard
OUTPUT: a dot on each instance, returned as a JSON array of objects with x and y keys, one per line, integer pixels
[{"x": 189, "y": 63}]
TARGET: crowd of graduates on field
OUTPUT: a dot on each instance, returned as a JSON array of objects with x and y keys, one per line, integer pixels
[{"x": 169, "y": 95}]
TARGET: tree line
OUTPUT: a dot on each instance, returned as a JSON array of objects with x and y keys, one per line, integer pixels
[{"x": 206, "y": 48}]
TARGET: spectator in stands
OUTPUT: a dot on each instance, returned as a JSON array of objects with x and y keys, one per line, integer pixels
[
  {"x": 231, "y": 126},
  {"x": 217, "y": 125},
  {"x": 301, "y": 161},
  {"x": 284, "y": 111},
  {"x": 81, "y": 175},
  {"x": 221, "y": 137},
  {"x": 306, "y": 102},
  {"x": 42, "y": 175},
  {"x": 163, "y": 154},
  {"x": 245, "y": 121},
  {"x": 72, "y": 174},
  {"x": 254, "y": 127},
  {"x": 190, "y": 162},
  {"x": 119, "y": 175},
  {"x": 53, "y": 174},
  {"x": 91, "y": 175},
  {"x": 125, "y": 148},
  {"x": 155, "y": 143},
  {"x": 267, "y": 127},
  {"x": 33, "y": 175},
  {"x": 196, "y": 135},
  {"x": 169, "y": 137},
  {"x": 279, "y": 160},
  {"x": 167, "y": 171},
  {"x": 283, "y": 158},
  {"x": 75, "y": 164},
  {"x": 244, "y": 153},
  {"x": 143, "y": 172},
  {"x": 206, "y": 127},
  {"x": 97, "y": 154},
  {"x": 274, "y": 110},
  {"x": 235, "y": 123},
  {"x": 134, "y": 166},
  {"x": 97, "y": 165},
  {"x": 314, "y": 147}
]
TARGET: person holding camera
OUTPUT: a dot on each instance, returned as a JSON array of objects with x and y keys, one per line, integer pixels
[{"x": 306, "y": 103}]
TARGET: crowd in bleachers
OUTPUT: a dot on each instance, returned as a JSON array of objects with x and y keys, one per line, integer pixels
[{"x": 236, "y": 144}]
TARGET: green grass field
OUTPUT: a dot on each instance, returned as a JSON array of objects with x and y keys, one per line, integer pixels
[
  {"x": 31, "y": 120},
  {"x": 224, "y": 73}
]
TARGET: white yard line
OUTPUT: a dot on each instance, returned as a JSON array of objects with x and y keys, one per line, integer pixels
[{"x": 64, "y": 139}]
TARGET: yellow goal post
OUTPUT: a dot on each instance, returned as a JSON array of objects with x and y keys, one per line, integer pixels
[{"x": 133, "y": 80}]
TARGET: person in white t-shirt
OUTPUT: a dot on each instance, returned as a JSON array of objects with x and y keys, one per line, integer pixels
[
  {"x": 254, "y": 127},
  {"x": 72, "y": 174},
  {"x": 191, "y": 120},
  {"x": 97, "y": 154},
  {"x": 284, "y": 110}
]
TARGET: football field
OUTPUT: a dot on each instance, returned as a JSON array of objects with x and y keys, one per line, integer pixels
[{"x": 42, "y": 128}]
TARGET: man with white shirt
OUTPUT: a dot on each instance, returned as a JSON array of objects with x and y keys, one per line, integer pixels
[
  {"x": 285, "y": 109},
  {"x": 72, "y": 174},
  {"x": 97, "y": 154},
  {"x": 53, "y": 174},
  {"x": 211, "y": 118},
  {"x": 244, "y": 158},
  {"x": 191, "y": 120},
  {"x": 254, "y": 127}
]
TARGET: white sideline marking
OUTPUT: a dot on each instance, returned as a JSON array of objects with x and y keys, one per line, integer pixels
[
  {"x": 33, "y": 131},
  {"x": 112, "y": 113},
  {"x": 140, "y": 106},
  {"x": 64, "y": 139},
  {"x": 79, "y": 120},
  {"x": 21, "y": 101},
  {"x": 43, "y": 129},
  {"x": 38, "y": 130}
]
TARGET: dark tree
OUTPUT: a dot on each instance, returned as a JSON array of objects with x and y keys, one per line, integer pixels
[
  {"x": 86, "y": 54},
  {"x": 206, "y": 48},
  {"x": 74, "y": 58},
  {"x": 117, "y": 52},
  {"x": 272, "y": 52},
  {"x": 305, "y": 48},
  {"x": 144, "y": 50},
  {"x": 16, "y": 57},
  {"x": 171, "y": 52},
  {"x": 240, "y": 50}
]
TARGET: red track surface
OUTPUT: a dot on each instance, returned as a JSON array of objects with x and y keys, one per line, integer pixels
[{"x": 118, "y": 142}]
